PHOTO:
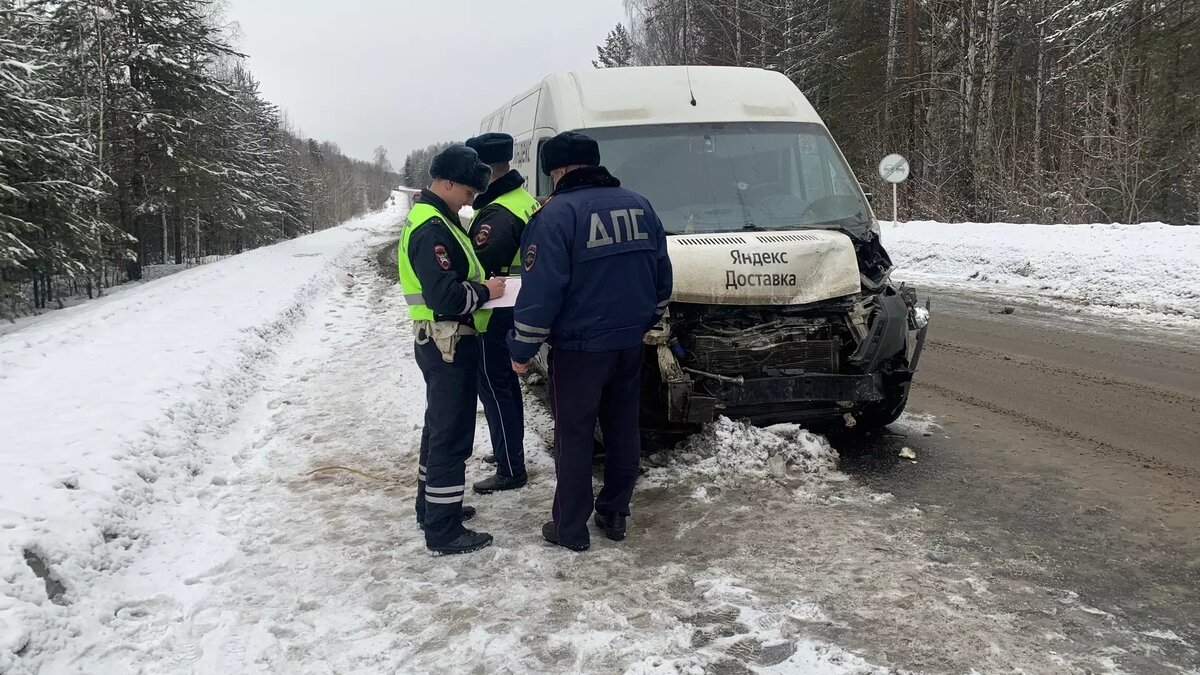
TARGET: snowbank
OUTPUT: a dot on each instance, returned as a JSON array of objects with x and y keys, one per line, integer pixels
[
  {"x": 727, "y": 455},
  {"x": 152, "y": 272},
  {"x": 106, "y": 406},
  {"x": 1138, "y": 269},
  {"x": 728, "y": 452}
]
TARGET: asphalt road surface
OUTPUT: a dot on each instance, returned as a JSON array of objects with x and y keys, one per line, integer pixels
[{"x": 1068, "y": 456}]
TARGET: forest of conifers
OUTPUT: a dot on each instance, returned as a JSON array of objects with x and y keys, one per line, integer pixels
[{"x": 132, "y": 134}]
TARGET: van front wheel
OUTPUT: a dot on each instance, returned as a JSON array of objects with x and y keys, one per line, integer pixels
[{"x": 879, "y": 415}]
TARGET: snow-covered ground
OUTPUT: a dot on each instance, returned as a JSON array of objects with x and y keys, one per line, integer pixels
[
  {"x": 160, "y": 515},
  {"x": 1144, "y": 271},
  {"x": 109, "y": 411},
  {"x": 152, "y": 272}
]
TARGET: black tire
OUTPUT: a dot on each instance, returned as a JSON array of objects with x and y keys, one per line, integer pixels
[
  {"x": 650, "y": 441},
  {"x": 879, "y": 415}
]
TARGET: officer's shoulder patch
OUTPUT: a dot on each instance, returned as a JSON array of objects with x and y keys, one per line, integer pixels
[
  {"x": 484, "y": 233},
  {"x": 442, "y": 255},
  {"x": 530, "y": 256}
]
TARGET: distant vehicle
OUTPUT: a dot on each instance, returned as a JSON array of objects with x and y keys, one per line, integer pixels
[{"x": 783, "y": 309}]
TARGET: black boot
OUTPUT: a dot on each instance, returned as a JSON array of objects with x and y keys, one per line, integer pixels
[
  {"x": 468, "y": 512},
  {"x": 500, "y": 483},
  {"x": 489, "y": 459},
  {"x": 548, "y": 535},
  {"x": 467, "y": 542},
  {"x": 613, "y": 526}
]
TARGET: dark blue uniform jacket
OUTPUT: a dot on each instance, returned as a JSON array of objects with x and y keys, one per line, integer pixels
[
  {"x": 497, "y": 246},
  {"x": 596, "y": 273}
]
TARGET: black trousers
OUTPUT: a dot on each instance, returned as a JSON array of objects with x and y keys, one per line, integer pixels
[
  {"x": 447, "y": 438},
  {"x": 500, "y": 394},
  {"x": 586, "y": 388}
]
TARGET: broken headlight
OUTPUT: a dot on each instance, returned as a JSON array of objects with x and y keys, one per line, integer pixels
[{"x": 918, "y": 318}]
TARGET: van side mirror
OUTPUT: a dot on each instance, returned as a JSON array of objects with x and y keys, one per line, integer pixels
[{"x": 867, "y": 193}]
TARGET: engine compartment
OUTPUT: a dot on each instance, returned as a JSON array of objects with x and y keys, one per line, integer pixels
[
  {"x": 760, "y": 342},
  {"x": 844, "y": 359},
  {"x": 846, "y": 355}
]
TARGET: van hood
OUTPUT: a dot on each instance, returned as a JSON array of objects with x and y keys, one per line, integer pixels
[{"x": 763, "y": 268}]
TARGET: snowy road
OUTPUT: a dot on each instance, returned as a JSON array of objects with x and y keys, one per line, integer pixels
[
  {"x": 1066, "y": 458},
  {"x": 204, "y": 547}
]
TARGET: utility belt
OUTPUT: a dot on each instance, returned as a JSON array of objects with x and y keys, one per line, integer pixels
[{"x": 445, "y": 335}]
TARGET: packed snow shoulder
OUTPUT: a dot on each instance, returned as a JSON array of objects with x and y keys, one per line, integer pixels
[
  {"x": 1146, "y": 270},
  {"x": 106, "y": 407}
]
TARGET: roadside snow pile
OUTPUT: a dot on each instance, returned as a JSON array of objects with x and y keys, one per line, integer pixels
[
  {"x": 152, "y": 272},
  {"x": 107, "y": 407},
  {"x": 1149, "y": 267},
  {"x": 727, "y": 452}
]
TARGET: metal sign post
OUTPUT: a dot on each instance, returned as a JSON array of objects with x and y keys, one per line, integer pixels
[{"x": 894, "y": 169}]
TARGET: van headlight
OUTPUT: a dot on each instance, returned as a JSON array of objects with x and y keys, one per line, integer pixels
[{"x": 918, "y": 318}]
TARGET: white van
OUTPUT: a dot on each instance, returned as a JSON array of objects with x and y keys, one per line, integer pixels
[{"x": 783, "y": 310}]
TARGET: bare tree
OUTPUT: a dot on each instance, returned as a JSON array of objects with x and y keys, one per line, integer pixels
[{"x": 1017, "y": 109}]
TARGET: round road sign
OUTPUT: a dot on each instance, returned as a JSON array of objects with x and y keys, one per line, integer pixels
[{"x": 893, "y": 168}]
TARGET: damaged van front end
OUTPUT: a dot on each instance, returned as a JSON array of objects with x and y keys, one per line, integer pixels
[
  {"x": 800, "y": 326},
  {"x": 783, "y": 308}
]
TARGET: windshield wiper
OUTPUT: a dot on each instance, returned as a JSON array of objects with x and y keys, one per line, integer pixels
[
  {"x": 751, "y": 227},
  {"x": 846, "y": 221}
]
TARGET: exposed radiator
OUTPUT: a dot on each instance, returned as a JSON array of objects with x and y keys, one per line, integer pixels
[{"x": 763, "y": 351}]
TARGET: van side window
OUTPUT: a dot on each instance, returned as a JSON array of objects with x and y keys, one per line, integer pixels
[{"x": 544, "y": 187}]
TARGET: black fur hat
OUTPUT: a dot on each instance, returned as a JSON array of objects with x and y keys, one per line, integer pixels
[
  {"x": 493, "y": 147},
  {"x": 461, "y": 164},
  {"x": 567, "y": 149}
]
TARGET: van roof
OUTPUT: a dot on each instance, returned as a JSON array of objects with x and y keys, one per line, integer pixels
[{"x": 606, "y": 97}]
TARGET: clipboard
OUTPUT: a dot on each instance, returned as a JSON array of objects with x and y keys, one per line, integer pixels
[{"x": 512, "y": 288}]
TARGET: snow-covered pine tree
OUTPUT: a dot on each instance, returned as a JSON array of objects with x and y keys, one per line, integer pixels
[
  {"x": 48, "y": 177},
  {"x": 139, "y": 113}
]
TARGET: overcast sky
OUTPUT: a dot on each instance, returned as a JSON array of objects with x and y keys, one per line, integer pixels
[{"x": 403, "y": 73}]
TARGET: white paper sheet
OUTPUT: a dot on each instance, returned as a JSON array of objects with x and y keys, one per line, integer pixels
[{"x": 512, "y": 288}]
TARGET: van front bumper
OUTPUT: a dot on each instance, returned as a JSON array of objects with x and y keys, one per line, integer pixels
[{"x": 771, "y": 394}]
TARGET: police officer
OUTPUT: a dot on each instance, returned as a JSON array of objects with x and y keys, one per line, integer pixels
[
  {"x": 596, "y": 277},
  {"x": 501, "y": 213},
  {"x": 444, "y": 286}
]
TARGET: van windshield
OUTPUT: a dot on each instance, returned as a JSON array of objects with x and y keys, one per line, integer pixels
[{"x": 737, "y": 176}]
